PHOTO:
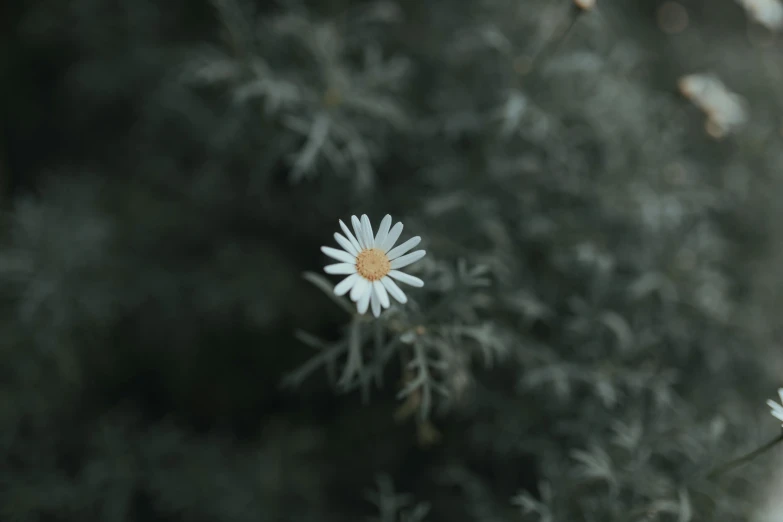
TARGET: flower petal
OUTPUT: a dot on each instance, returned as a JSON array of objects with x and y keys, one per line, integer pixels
[
  {"x": 346, "y": 244},
  {"x": 395, "y": 291},
  {"x": 383, "y": 297},
  {"x": 777, "y": 409},
  {"x": 392, "y": 237},
  {"x": 407, "y": 279},
  {"x": 358, "y": 288},
  {"x": 383, "y": 230},
  {"x": 369, "y": 239},
  {"x": 346, "y": 284},
  {"x": 364, "y": 300},
  {"x": 340, "y": 268},
  {"x": 357, "y": 228},
  {"x": 408, "y": 259},
  {"x": 376, "y": 304},
  {"x": 350, "y": 236},
  {"x": 397, "y": 251},
  {"x": 340, "y": 255}
]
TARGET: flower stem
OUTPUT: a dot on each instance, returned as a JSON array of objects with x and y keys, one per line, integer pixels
[{"x": 720, "y": 470}]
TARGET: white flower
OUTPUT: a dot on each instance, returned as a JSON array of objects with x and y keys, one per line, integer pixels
[
  {"x": 725, "y": 110},
  {"x": 372, "y": 264},
  {"x": 777, "y": 409},
  {"x": 768, "y": 13}
]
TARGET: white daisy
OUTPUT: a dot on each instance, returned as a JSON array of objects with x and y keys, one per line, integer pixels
[
  {"x": 777, "y": 409},
  {"x": 371, "y": 263},
  {"x": 725, "y": 110},
  {"x": 768, "y": 13}
]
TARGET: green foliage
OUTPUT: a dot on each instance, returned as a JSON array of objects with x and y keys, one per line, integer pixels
[{"x": 599, "y": 321}]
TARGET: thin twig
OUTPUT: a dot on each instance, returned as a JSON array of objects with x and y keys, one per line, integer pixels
[{"x": 745, "y": 458}]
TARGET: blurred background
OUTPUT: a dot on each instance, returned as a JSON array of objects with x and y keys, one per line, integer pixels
[{"x": 598, "y": 188}]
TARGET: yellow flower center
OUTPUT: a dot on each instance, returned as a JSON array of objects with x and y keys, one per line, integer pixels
[{"x": 372, "y": 264}]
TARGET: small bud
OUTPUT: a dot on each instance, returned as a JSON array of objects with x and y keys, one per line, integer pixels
[{"x": 585, "y": 5}]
